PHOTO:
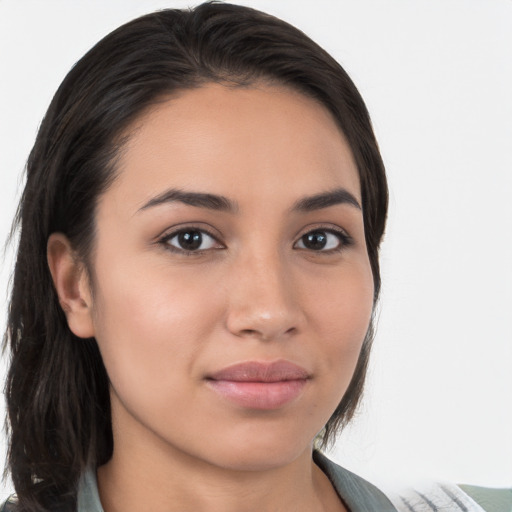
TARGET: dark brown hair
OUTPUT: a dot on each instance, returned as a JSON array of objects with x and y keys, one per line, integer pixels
[{"x": 57, "y": 387}]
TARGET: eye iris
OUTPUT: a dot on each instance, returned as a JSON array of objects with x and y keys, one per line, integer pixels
[
  {"x": 190, "y": 240},
  {"x": 315, "y": 240}
]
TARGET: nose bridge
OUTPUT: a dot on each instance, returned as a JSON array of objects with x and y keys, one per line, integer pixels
[{"x": 263, "y": 302}]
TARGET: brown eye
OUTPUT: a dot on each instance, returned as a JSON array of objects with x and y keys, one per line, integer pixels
[
  {"x": 315, "y": 240},
  {"x": 322, "y": 240},
  {"x": 190, "y": 240}
]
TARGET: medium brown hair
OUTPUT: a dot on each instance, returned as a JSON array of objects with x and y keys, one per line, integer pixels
[{"x": 57, "y": 387}]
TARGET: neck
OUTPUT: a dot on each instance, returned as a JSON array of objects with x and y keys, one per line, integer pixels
[{"x": 145, "y": 473}]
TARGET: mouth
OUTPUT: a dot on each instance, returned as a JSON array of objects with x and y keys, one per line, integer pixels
[{"x": 260, "y": 385}]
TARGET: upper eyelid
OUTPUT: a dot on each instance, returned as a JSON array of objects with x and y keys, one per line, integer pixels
[
  {"x": 168, "y": 233},
  {"x": 165, "y": 239},
  {"x": 173, "y": 234},
  {"x": 343, "y": 237},
  {"x": 326, "y": 226},
  {"x": 345, "y": 240}
]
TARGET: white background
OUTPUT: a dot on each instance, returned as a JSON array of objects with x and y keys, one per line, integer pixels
[{"x": 437, "y": 78}]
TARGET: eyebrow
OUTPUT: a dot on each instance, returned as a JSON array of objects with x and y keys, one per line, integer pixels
[
  {"x": 325, "y": 200},
  {"x": 222, "y": 203},
  {"x": 198, "y": 199}
]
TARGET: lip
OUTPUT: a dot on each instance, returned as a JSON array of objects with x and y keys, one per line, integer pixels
[{"x": 260, "y": 385}]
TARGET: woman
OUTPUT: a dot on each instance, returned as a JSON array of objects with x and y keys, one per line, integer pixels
[{"x": 199, "y": 239}]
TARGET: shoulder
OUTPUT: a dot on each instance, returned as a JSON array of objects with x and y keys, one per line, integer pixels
[
  {"x": 357, "y": 493},
  {"x": 360, "y": 495},
  {"x": 9, "y": 505},
  {"x": 450, "y": 497},
  {"x": 491, "y": 500}
]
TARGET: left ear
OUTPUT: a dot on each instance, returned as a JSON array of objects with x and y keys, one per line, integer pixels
[{"x": 72, "y": 285}]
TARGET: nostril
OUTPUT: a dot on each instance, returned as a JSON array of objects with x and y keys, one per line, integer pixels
[
  {"x": 249, "y": 332},
  {"x": 265, "y": 334}
]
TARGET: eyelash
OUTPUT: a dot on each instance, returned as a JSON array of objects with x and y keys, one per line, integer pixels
[
  {"x": 344, "y": 240},
  {"x": 188, "y": 229}
]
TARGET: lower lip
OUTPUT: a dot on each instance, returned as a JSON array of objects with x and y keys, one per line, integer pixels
[{"x": 259, "y": 395}]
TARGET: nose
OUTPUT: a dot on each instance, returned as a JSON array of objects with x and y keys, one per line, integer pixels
[{"x": 263, "y": 299}]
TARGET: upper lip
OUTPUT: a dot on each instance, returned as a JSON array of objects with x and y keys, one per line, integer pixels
[{"x": 256, "y": 371}]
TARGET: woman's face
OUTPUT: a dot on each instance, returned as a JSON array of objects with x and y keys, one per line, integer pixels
[{"x": 232, "y": 286}]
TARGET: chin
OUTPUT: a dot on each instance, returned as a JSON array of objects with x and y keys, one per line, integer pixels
[{"x": 260, "y": 453}]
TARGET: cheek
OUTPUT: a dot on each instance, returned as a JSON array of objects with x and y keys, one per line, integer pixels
[
  {"x": 340, "y": 313},
  {"x": 151, "y": 324}
]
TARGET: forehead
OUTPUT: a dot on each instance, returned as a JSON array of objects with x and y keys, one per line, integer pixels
[{"x": 234, "y": 141}]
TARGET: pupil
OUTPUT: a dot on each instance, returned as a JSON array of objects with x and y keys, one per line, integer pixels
[
  {"x": 190, "y": 240},
  {"x": 315, "y": 240}
]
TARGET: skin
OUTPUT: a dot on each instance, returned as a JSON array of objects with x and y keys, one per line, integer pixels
[{"x": 165, "y": 319}]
